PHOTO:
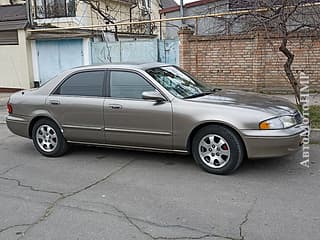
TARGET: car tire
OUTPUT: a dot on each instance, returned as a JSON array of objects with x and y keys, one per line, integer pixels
[
  {"x": 48, "y": 138},
  {"x": 217, "y": 149}
]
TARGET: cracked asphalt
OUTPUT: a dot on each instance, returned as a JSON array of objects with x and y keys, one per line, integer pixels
[{"x": 96, "y": 193}]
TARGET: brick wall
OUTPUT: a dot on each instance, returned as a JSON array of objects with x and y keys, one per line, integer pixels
[{"x": 250, "y": 62}]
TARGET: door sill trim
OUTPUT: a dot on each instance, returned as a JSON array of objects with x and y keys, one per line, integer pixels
[
  {"x": 149, "y": 149},
  {"x": 82, "y": 127},
  {"x": 137, "y": 131}
]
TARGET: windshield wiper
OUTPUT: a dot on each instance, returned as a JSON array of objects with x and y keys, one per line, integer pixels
[
  {"x": 203, "y": 93},
  {"x": 197, "y": 95}
]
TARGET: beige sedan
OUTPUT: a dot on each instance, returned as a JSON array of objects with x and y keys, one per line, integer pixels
[{"x": 154, "y": 107}]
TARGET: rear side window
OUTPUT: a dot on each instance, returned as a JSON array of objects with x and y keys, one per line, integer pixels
[
  {"x": 128, "y": 85},
  {"x": 83, "y": 84}
]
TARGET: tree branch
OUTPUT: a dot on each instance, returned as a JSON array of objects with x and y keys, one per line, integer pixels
[{"x": 95, "y": 5}]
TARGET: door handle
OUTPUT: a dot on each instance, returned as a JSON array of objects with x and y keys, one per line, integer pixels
[
  {"x": 115, "y": 106},
  {"x": 54, "y": 102}
]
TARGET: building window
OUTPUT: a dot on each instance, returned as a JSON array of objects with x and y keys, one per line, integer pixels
[
  {"x": 146, "y": 4},
  {"x": 241, "y": 5},
  {"x": 54, "y": 8},
  {"x": 9, "y": 37}
]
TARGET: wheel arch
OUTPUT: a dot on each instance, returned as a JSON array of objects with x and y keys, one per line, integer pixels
[
  {"x": 205, "y": 124},
  {"x": 36, "y": 119}
]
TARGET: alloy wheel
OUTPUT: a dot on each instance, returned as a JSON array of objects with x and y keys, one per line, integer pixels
[
  {"x": 214, "y": 151},
  {"x": 46, "y": 138}
]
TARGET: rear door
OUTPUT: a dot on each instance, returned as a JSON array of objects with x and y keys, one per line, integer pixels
[
  {"x": 77, "y": 104},
  {"x": 131, "y": 120}
]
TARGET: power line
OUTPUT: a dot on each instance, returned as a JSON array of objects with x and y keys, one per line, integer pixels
[{"x": 230, "y": 13}]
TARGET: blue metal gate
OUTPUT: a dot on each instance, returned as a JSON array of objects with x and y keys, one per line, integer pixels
[
  {"x": 169, "y": 51},
  {"x": 154, "y": 50},
  {"x": 55, "y": 56}
]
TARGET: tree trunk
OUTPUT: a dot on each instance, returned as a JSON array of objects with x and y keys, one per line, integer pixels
[{"x": 288, "y": 70}]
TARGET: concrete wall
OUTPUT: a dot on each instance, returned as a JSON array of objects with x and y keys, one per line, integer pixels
[
  {"x": 15, "y": 65},
  {"x": 204, "y": 26},
  {"x": 234, "y": 24}
]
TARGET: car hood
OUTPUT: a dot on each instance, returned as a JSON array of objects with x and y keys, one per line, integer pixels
[{"x": 249, "y": 100}]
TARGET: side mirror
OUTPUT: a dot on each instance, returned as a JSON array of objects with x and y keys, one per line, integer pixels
[{"x": 153, "y": 95}]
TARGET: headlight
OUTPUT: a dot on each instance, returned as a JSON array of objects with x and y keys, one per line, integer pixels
[{"x": 278, "y": 123}]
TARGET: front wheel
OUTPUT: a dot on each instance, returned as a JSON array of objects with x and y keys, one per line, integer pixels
[
  {"x": 217, "y": 149},
  {"x": 48, "y": 139}
]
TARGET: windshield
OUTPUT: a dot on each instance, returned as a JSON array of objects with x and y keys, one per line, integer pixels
[{"x": 178, "y": 82}]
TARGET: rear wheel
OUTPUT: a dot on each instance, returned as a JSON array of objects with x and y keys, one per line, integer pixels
[
  {"x": 217, "y": 149},
  {"x": 48, "y": 139}
]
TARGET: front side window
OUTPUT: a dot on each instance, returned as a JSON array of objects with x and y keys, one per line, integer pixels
[
  {"x": 83, "y": 84},
  {"x": 54, "y": 8},
  {"x": 128, "y": 85},
  {"x": 177, "y": 82}
]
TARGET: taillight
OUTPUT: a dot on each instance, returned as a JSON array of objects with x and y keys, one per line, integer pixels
[{"x": 9, "y": 107}]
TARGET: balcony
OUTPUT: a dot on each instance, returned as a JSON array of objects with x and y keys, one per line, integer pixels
[{"x": 54, "y": 8}]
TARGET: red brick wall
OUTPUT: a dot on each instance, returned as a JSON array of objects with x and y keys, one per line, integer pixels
[{"x": 250, "y": 62}]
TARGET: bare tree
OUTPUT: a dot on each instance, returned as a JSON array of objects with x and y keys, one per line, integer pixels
[
  {"x": 108, "y": 13},
  {"x": 282, "y": 18},
  {"x": 96, "y": 6}
]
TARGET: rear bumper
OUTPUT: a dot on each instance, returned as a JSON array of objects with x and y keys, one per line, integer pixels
[
  {"x": 18, "y": 125},
  {"x": 273, "y": 143}
]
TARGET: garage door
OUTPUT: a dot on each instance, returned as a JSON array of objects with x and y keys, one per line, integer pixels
[{"x": 54, "y": 56}]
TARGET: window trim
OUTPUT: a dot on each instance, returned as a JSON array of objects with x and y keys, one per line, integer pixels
[
  {"x": 54, "y": 91},
  {"x": 108, "y": 96}
]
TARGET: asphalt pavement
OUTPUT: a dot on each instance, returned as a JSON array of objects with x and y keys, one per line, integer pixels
[{"x": 95, "y": 194}]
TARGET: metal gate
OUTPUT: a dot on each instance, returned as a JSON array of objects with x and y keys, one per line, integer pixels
[
  {"x": 55, "y": 56},
  {"x": 154, "y": 50}
]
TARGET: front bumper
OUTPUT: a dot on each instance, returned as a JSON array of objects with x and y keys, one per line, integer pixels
[{"x": 273, "y": 143}]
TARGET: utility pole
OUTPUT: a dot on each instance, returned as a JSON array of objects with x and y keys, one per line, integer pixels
[{"x": 181, "y": 11}]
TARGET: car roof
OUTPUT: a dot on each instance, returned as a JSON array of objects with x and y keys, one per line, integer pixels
[
  {"x": 47, "y": 88},
  {"x": 133, "y": 65}
]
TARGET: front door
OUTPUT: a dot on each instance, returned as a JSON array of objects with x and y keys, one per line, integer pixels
[
  {"x": 78, "y": 106},
  {"x": 131, "y": 120}
]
